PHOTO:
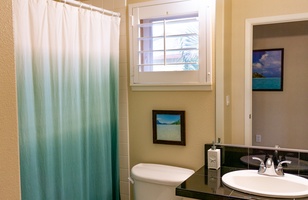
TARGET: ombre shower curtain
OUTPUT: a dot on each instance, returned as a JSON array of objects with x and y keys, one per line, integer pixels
[{"x": 67, "y": 81}]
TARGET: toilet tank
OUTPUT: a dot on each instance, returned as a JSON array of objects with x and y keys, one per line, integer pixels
[{"x": 157, "y": 182}]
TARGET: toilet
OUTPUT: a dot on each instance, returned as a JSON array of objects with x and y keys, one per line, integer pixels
[{"x": 157, "y": 182}]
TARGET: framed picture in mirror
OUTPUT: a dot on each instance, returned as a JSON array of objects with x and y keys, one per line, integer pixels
[
  {"x": 267, "y": 70},
  {"x": 169, "y": 127}
]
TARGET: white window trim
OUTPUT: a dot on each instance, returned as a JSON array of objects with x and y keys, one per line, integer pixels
[{"x": 205, "y": 82}]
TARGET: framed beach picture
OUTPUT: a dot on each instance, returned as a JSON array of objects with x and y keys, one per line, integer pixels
[
  {"x": 169, "y": 127},
  {"x": 267, "y": 70}
]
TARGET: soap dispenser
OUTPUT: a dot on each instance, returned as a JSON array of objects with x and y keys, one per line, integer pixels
[{"x": 213, "y": 157}]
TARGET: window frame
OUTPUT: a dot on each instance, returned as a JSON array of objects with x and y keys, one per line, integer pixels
[{"x": 174, "y": 80}]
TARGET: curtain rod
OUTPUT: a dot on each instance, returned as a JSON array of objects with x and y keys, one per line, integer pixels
[{"x": 88, "y": 6}]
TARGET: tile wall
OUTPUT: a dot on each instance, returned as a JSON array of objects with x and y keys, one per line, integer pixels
[{"x": 120, "y": 6}]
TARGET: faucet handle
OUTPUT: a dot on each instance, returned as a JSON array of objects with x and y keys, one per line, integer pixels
[
  {"x": 262, "y": 167},
  {"x": 279, "y": 169}
]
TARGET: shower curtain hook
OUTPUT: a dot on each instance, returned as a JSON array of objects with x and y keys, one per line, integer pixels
[{"x": 80, "y": 4}]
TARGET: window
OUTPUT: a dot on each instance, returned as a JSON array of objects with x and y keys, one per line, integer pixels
[{"x": 170, "y": 44}]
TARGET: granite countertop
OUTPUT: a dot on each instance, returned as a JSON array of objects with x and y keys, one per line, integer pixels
[{"x": 207, "y": 184}]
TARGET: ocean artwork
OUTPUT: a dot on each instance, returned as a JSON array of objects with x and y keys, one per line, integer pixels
[
  {"x": 267, "y": 70},
  {"x": 169, "y": 127},
  {"x": 270, "y": 83}
]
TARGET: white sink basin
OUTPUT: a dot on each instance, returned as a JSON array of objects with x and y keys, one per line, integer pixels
[{"x": 249, "y": 181}]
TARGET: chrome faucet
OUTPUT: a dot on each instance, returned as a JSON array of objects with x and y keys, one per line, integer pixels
[{"x": 269, "y": 167}]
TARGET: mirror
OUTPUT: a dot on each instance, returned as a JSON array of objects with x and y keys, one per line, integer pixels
[
  {"x": 279, "y": 118},
  {"x": 241, "y": 122}
]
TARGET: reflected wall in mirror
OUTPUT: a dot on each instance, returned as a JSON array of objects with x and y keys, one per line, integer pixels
[{"x": 282, "y": 117}]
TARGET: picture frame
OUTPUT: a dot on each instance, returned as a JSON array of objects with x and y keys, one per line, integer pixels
[
  {"x": 267, "y": 69},
  {"x": 169, "y": 127}
]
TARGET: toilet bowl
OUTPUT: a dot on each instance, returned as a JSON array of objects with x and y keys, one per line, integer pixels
[{"x": 157, "y": 182}]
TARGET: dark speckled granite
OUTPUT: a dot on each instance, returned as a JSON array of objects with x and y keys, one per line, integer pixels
[
  {"x": 303, "y": 172},
  {"x": 207, "y": 184}
]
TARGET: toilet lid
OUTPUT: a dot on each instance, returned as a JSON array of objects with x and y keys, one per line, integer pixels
[{"x": 160, "y": 174}]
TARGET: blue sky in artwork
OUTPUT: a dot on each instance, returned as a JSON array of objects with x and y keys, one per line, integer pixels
[
  {"x": 267, "y": 63},
  {"x": 165, "y": 118}
]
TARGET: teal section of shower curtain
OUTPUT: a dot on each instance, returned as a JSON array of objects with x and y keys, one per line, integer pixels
[{"x": 67, "y": 82}]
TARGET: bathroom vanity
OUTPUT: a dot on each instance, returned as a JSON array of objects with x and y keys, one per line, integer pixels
[{"x": 207, "y": 183}]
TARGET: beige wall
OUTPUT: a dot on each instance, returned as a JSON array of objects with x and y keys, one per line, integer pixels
[
  {"x": 281, "y": 117},
  {"x": 200, "y": 125},
  {"x": 9, "y": 160},
  {"x": 241, "y": 10},
  {"x": 227, "y": 45},
  {"x": 141, "y": 103},
  {"x": 199, "y": 106}
]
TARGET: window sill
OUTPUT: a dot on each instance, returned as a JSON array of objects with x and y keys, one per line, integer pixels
[{"x": 144, "y": 87}]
